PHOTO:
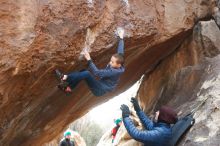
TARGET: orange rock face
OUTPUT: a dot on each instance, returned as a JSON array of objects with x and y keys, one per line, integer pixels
[{"x": 38, "y": 36}]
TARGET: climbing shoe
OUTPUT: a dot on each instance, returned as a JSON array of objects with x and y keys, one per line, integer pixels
[
  {"x": 59, "y": 75},
  {"x": 68, "y": 89},
  {"x": 64, "y": 86}
]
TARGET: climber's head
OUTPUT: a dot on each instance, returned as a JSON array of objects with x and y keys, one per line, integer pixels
[
  {"x": 67, "y": 134},
  {"x": 118, "y": 122},
  {"x": 166, "y": 115},
  {"x": 116, "y": 61}
]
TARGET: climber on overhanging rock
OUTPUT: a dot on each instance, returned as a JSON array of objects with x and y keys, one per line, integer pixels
[
  {"x": 157, "y": 133},
  {"x": 67, "y": 140},
  {"x": 118, "y": 123},
  {"x": 108, "y": 77}
]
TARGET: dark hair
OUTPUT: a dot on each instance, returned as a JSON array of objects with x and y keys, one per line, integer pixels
[
  {"x": 167, "y": 115},
  {"x": 119, "y": 57}
]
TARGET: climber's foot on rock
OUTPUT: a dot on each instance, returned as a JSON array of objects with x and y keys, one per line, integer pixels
[
  {"x": 68, "y": 89},
  {"x": 64, "y": 86},
  {"x": 59, "y": 74}
]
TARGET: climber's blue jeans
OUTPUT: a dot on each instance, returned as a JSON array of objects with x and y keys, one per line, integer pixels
[{"x": 95, "y": 86}]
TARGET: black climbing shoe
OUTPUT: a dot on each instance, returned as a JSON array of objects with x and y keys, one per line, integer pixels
[
  {"x": 59, "y": 74},
  {"x": 64, "y": 86}
]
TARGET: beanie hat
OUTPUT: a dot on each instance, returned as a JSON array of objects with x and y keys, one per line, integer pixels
[
  {"x": 117, "y": 121},
  {"x": 167, "y": 115},
  {"x": 67, "y": 133}
]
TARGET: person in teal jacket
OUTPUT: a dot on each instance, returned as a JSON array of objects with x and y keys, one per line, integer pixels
[
  {"x": 67, "y": 140},
  {"x": 156, "y": 133}
]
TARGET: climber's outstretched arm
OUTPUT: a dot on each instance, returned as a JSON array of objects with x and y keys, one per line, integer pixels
[
  {"x": 120, "y": 49},
  {"x": 139, "y": 135}
]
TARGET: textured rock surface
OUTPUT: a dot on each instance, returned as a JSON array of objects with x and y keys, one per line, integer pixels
[
  {"x": 37, "y": 36},
  {"x": 206, "y": 130}
]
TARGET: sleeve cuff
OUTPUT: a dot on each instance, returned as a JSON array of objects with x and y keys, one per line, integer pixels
[
  {"x": 89, "y": 61},
  {"x": 140, "y": 111},
  {"x": 121, "y": 38},
  {"x": 126, "y": 118}
]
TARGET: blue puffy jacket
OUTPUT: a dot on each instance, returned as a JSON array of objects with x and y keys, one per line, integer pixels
[{"x": 156, "y": 134}]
